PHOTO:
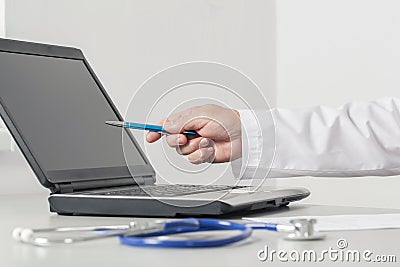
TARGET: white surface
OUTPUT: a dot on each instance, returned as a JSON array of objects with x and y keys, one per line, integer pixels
[
  {"x": 128, "y": 41},
  {"x": 341, "y": 222},
  {"x": 32, "y": 211},
  {"x": 331, "y": 52}
]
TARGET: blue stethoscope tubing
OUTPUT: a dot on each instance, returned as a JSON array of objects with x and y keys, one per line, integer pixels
[{"x": 157, "y": 239}]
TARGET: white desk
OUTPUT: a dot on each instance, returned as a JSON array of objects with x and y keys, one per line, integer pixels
[{"x": 32, "y": 211}]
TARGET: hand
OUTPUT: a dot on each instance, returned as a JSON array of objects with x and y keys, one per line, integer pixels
[{"x": 219, "y": 136}]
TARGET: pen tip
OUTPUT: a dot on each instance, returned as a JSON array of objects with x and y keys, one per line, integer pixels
[{"x": 115, "y": 123}]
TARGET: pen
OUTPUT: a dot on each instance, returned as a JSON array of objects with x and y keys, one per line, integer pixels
[{"x": 141, "y": 126}]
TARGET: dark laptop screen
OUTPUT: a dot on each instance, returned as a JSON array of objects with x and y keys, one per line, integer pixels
[{"x": 58, "y": 108}]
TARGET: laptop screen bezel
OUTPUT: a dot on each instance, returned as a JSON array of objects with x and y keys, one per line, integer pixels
[{"x": 50, "y": 179}]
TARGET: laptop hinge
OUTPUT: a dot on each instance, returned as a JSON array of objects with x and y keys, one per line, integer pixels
[
  {"x": 72, "y": 187},
  {"x": 63, "y": 188}
]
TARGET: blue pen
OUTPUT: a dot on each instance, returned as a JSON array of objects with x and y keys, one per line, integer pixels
[{"x": 141, "y": 126}]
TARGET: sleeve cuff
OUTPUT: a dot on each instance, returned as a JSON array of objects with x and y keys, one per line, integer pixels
[{"x": 252, "y": 141}]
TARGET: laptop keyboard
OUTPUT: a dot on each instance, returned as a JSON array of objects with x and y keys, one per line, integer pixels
[{"x": 168, "y": 190}]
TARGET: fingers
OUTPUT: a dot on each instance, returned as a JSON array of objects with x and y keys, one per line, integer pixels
[
  {"x": 193, "y": 145},
  {"x": 176, "y": 140},
  {"x": 199, "y": 150},
  {"x": 202, "y": 155},
  {"x": 151, "y": 137},
  {"x": 176, "y": 123}
]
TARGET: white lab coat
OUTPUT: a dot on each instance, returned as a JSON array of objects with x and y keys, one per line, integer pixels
[{"x": 357, "y": 139}]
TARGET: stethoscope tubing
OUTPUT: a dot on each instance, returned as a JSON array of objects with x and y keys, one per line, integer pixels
[
  {"x": 156, "y": 239},
  {"x": 150, "y": 234}
]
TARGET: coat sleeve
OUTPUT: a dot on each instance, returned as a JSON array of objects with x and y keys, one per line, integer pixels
[{"x": 356, "y": 139}]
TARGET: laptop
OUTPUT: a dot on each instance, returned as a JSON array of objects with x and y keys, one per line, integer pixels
[{"x": 55, "y": 108}]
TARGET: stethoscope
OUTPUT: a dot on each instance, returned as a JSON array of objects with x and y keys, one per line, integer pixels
[{"x": 158, "y": 233}]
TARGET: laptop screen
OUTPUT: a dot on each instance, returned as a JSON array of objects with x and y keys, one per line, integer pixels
[{"x": 60, "y": 111}]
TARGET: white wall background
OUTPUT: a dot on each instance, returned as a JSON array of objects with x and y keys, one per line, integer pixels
[
  {"x": 2, "y": 18},
  {"x": 331, "y": 52},
  {"x": 127, "y": 41}
]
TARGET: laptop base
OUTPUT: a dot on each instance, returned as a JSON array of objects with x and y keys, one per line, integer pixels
[{"x": 194, "y": 205}]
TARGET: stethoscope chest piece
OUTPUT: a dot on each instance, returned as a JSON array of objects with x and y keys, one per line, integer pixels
[{"x": 304, "y": 231}]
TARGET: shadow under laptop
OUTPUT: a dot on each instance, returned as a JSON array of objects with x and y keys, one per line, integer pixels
[{"x": 237, "y": 215}]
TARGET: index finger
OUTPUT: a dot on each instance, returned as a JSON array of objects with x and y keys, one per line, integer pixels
[{"x": 151, "y": 137}]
